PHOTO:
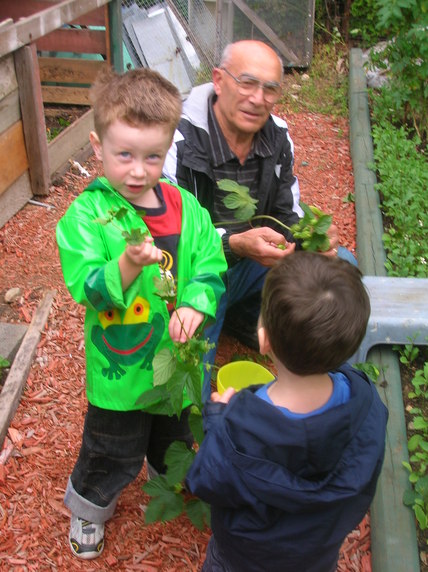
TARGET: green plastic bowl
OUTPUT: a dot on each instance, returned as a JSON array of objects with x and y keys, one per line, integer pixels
[{"x": 240, "y": 374}]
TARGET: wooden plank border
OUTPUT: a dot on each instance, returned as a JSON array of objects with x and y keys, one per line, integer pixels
[
  {"x": 394, "y": 544},
  {"x": 15, "y": 381}
]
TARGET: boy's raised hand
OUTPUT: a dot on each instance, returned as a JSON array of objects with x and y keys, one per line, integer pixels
[
  {"x": 135, "y": 257},
  {"x": 190, "y": 319},
  {"x": 145, "y": 253}
]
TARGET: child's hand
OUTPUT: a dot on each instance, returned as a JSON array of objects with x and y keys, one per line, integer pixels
[
  {"x": 144, "y": 254},
  {"x": 190, "y": 320},
  {"x": 225, "y": 397}
]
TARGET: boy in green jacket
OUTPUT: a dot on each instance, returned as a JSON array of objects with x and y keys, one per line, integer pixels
[{"x": 126, "y": 323}]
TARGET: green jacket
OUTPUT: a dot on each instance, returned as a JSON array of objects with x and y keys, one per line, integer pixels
[{"x": 124, "y": 330}]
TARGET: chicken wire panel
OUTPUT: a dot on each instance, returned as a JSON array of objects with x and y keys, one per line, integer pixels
[
  {"x": 178, "y": 38},
  {"x": 286, "y": 25}
]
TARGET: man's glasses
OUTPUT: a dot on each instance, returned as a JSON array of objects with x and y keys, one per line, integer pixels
[{"x": 248, "y": 85}]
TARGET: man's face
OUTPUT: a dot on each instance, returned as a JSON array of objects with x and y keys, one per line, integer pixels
[{"x": 245, "y": 113}]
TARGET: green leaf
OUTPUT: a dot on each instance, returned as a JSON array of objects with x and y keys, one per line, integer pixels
[
  {"x": 419, "y": 423},
  {"x": 369, "y": 369},
  {"x": 163, "y": 507},
  {"x": 102, "y": 221},
  {"x": 238, "y": 199},
  {"x": 422, "y": 487},
  {"x": 407, "y": 466},
  {"x": 164, "y": 364},
  {"x": 193, "y": 384},
  {"x": 178, "y": 459},
  {"x": 424, "y": 446},
  {"x": 155, "y": 400},
  {"x": 135, "y": 237},
  {"x": 196, "y": 425},
  {"x": 175, "y": 386},
  {"x": 409, "y": 497},
  {"x": 119, "y": 213},
  {"x": 306, "y": 209},
  {"x": 199, "y": 513},
  {"x": 166, "y": 288},
  {"x": 157, "y": 486},
  {"x": 421, "y": 517},
  {"x": 323, "y": 223},
  {"x": 414, "y": 441}
]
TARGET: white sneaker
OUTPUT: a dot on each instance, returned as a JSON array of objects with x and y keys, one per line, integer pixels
[{"x": 86, "y": 538}]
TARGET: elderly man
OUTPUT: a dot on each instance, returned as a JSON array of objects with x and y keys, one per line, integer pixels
[{"x": 227, "y": 131}]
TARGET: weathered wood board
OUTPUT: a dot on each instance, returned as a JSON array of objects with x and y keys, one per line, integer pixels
[{"x": 15, "y": 381}]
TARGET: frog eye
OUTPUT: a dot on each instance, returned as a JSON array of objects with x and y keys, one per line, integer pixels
[
  {"x": 137, "y": 312},
  {"x": 109, "y": 317}
]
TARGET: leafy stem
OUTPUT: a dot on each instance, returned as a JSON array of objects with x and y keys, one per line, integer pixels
[
  {"x": 255, "y": 217},
  {"x": 135, "y": 237},
  {"x": 311, "y": 229}
]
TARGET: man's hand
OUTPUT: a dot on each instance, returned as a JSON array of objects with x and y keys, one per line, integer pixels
[
  {"x": 264, "y": 245},
  {"x": 333, "y": 235},
  {"x": 190, "y": 319}
]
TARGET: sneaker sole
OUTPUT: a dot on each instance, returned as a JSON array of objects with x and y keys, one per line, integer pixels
[{"x": 86, "y": 555}]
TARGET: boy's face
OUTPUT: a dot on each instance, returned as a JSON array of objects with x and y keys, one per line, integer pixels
[{"x": 132, "y": 157}]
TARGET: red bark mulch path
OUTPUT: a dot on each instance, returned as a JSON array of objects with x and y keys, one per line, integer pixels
[{"x": 43, "y": 440}]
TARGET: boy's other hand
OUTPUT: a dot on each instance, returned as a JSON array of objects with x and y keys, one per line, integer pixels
[
  {"x": 224, "y": 397},
  {"x": 190, "y": 319}
]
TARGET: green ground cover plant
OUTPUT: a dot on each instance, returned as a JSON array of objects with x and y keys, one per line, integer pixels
[{"x": 399, "y": 114}]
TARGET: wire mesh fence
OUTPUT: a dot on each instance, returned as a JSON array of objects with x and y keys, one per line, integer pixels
[
  {"x": 287, "y": 25},
  {"x": 184, "y": 39},
  {"x": 178, "y": 38}
]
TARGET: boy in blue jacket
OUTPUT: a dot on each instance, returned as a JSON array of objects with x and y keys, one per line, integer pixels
[{"x": 290, "y": 468}]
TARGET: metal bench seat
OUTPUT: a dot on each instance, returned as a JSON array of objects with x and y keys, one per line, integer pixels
[{"x": 399, "y": 313}]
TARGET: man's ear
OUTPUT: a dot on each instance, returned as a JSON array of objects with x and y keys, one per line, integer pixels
[
  {"x": 264, "y": 343},
  {"x": 96, "y": 145},
  {"x": 217, "y": 78}
]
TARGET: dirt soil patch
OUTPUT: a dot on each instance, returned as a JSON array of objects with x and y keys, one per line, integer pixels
[
  {"x": 59, "y": 117},
  {"x": 44, "y": 437}
]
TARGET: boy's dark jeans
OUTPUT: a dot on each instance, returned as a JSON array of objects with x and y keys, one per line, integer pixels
[{"x": 114, "y": 446}]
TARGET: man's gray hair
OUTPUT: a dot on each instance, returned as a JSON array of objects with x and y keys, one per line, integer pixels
[{"x": 227, "y": 56}]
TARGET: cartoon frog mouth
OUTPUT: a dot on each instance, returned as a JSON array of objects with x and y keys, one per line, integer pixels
[{"x": 130, "y": 350}]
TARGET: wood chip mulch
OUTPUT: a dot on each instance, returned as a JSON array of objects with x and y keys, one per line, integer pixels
[{"x": 44, "y": 436}]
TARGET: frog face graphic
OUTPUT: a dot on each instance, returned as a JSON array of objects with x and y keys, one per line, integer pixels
[{"x": 128, "y": 339}]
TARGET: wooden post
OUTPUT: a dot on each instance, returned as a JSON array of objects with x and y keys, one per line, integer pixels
[
  {"x": 33, "y": 118},
  {"x": 114, "y": 34}
]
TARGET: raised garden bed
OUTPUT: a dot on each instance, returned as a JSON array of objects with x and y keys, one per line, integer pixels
[{"x": 394, "y": 540}]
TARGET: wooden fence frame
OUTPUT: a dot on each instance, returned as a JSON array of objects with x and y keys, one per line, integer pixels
[{"x": 29, "y": 162}]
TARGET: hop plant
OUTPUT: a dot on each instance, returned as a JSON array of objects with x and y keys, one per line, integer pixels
[{"x": 311, "y": 229}]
